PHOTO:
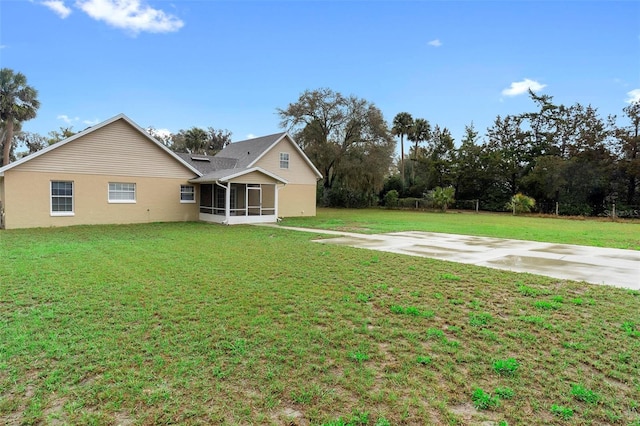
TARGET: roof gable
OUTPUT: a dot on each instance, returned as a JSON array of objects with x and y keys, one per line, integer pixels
[
  {"x": 93, "y": 129},
  {"x": 228, "y": 174},
  {"x": 249, "y": 152}
]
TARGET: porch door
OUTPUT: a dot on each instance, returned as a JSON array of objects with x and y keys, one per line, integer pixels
[{"x": 254, "y": 199}]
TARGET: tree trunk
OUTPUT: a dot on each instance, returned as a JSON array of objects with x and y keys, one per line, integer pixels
[{"x": 8, "y": 141}]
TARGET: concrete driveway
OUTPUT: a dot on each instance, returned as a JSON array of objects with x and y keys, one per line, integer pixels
[{"x": 615, "y": 267}]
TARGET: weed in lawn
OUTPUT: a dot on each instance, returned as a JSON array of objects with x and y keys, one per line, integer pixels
[
  {"x": 581, "y": 393},
  {"x": 574, "y": 345},
  {"x": 537, "y": 320},
  {"x": 577, "y": 301},
  {"x": 434, "y": 333},
  {"x": 364, "y": 298},
  {"x": 480, "y": 319},
  {"x": 450, "y": 277},
  {"x": 383, "y": 422},
  {"x": 412, "y": 311},
  {"x": 456, "y": 301},
  {"x": 488, "y": 335},
  {"x": 630, "y": 329},
  {"x": 358, "y": 356},
  {"x": 423, "y": 359},
  {"x": 504, "y": 392},
  {"x": 454, "y": 329},
  {"x": 546, "y": 305},
  {"x": 483, "y": 400},
  {"x": 506, "y": 367},
  {"x": 564, "y": 413},
  {"x": 527, "y": 291},
  {"x": 557, "y": 299}
]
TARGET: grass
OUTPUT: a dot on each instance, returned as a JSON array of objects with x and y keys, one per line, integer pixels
[
  {"x": 581, "y": 231},
  {"x": 189, "y": 323}
]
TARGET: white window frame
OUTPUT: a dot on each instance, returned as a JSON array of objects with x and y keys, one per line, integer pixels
[
  {"x": 192, "y": 193},
  {"x": 121, "y": 191},
  {"x": 51, "y": 197},
  {"x": 284, "y": 160}
]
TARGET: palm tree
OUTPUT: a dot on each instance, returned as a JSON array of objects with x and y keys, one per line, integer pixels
[
  {"x": 420, "y": 132},
  {"x": 402, "y": 124},
  {"x": 18, "y": 103}
]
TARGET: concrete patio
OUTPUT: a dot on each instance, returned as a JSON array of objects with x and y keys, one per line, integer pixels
[{"x": 614, "y": 267}]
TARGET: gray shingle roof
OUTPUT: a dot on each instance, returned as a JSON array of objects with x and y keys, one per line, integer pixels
[
  {"x": 237, "y": 155},
  {"x": 210, "y": 163},
  {"x": 246, "y": 152},
  {"x": 215, "y": 175}
]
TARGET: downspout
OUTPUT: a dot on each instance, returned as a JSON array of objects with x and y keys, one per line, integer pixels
[{"x": 278, "y": 219}]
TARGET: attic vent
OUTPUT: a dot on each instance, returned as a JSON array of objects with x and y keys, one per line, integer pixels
[{"x": 196, "y": 158}]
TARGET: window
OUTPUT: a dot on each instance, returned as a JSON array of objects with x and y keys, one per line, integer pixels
[
  {"x": 187, "y": 194},
  {"x": 284, "y": 160},
  {"x": 61, "y": 198},
  {"x": 122, "y": 192}
]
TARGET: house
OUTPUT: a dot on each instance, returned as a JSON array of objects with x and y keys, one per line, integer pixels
[{"x": 114, "y": 172}]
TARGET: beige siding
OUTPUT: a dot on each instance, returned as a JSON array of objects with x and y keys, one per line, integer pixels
[
  {"x": 2, "y": 204},
  {"x": 298, "y": 173},
  {"x": 253, "y": 177},
  {"x": 117, "y": 149},
  {"x": 297, "y": 200},
  {"x": 27, "y": 196},
  {"x": 1, "y": 191}
]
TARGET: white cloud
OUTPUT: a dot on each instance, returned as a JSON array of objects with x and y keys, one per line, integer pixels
[
  {"x": 91, "y": 122},
  {"x": 67, "y": 119},
  {"x": 58, "y": 7},
  {"x": 435, "y": 43},
  {"x": 131, "y": 15},
  {"x": 251, "y": 136},
  {"x": 522, "y": 87},
  {"x": 634, "y": 96}
]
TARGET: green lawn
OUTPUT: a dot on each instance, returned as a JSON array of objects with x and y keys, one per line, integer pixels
[
  {"x": 189, "y": 323},
  {"x": 590, "y": 232}
]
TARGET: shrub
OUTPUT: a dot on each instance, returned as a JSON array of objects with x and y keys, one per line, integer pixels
[
  {"x": 442, "y": 198},
  {"x": 520, "y": 203},
  {"x": 391, "y": 199}
]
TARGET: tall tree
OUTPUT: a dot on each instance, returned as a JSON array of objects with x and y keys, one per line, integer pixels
[
  {"x": 468, "y": 170},
  {"x": 195, "y": 140},
  {"x": 345, "y": 137},
  {"x": 32, "y": 141},
  {"x": 61, "y": 134},
  {"x": 402, "y": 124},
  {"x": 419, "y": 133},
  {"x": 18, "y": 103},
  {"x": 628, "y": 150}
]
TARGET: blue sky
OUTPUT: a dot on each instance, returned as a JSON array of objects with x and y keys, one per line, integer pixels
[{"x": 229, "y": 64}]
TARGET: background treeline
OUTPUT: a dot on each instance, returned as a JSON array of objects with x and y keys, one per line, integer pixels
[
  {"x": 568, "y": 155},
  {"x": 567, "y": 158}
]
